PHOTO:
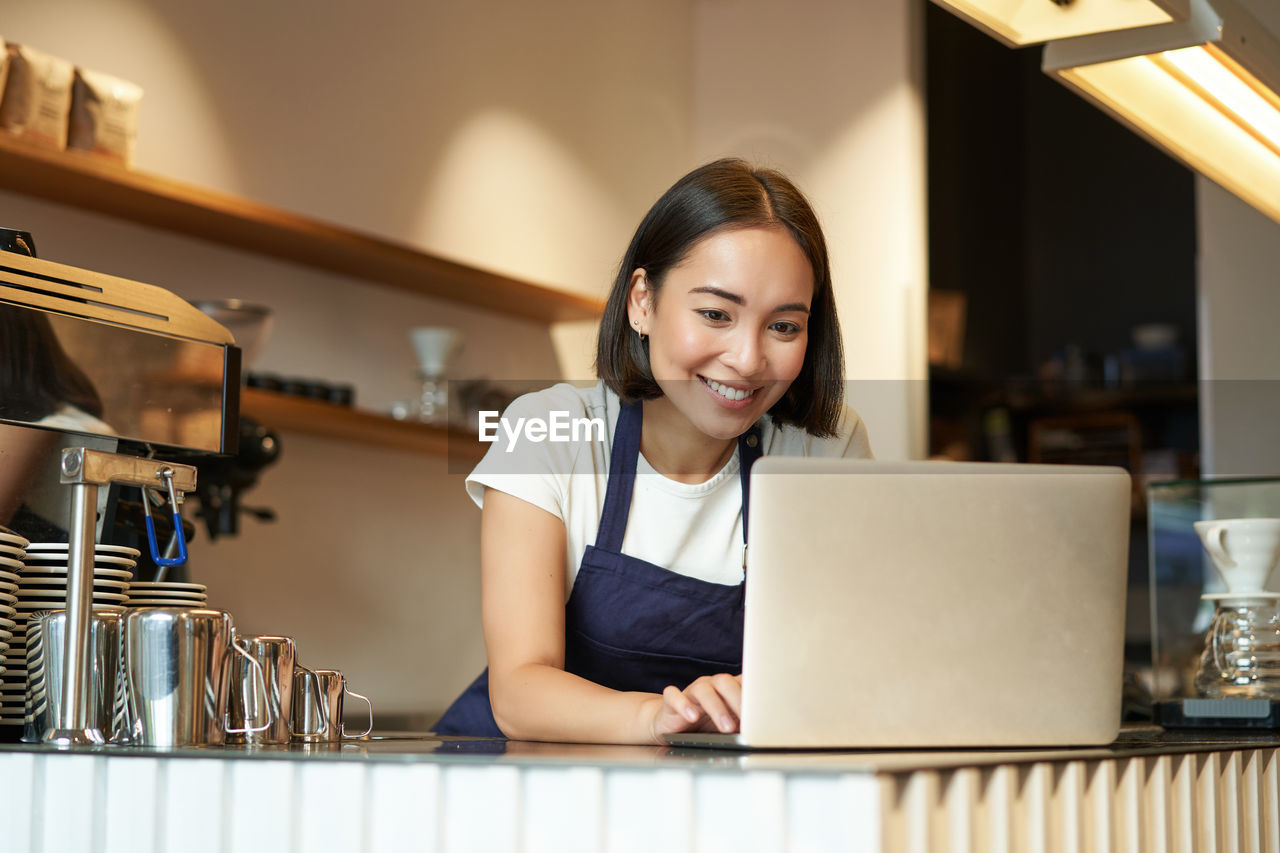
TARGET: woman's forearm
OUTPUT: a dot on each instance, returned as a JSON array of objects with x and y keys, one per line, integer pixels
[{"x": 539, "y": 702}]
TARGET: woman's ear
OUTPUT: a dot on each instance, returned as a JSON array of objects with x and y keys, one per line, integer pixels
[{"x": 639, "y": 302}]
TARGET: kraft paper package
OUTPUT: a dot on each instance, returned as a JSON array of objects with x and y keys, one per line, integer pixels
[
  {"x": 4, "y": 66},
  {"x": 37, "y": 96},
  {"x": 104, "y": 116}
]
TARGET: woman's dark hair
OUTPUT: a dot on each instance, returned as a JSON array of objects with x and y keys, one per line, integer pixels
[
  {"x": 36, "y": 374},
  {"x": 721, "y": 196}
]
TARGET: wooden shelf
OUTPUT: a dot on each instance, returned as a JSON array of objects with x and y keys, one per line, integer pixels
[
  {"x": 327, "y": 420},
  {"x": 80, "y": 180}
]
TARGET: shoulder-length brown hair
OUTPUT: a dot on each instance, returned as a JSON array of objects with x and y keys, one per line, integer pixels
[{"x": 720, "y": 196}]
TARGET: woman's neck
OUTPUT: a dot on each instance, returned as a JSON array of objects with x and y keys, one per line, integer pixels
[{"x": 676, "y": 449}]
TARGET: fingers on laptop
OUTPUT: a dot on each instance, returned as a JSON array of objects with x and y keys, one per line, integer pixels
[{"x": 715, "y": 699}]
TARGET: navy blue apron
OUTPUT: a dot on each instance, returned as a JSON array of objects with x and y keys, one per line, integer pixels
[{"x": 629, "y": 624}]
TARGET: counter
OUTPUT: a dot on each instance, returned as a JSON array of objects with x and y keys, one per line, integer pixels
[{"x": 1151, "y": 790}]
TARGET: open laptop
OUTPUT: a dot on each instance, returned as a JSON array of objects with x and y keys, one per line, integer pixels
[{"x": 931, "y": 604}]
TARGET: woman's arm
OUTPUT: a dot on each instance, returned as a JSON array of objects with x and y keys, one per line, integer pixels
[
  {"x": 533, "y": 698},
  {"x": 522, "y": 596}
]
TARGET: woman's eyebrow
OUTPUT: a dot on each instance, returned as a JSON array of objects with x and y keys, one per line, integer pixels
[
  {"x": 792, "y": 306},
  {"x": 738, "y": 300},
  {"x": 723, "y": 294}
]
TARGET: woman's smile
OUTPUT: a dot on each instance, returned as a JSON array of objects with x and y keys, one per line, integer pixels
[{"x": 729, "y": 395}]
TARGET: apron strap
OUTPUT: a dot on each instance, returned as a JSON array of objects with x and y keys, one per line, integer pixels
[
  {"x": 622, "y": 477},
  {"x": 750, "y": 448}
]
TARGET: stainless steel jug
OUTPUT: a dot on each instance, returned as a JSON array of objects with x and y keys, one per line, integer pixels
[
  {"x": 46, "y": 635},
  {"x": 175, "y": 663},
  {"x": 276, "y": 656},
  {"x": 317, "y": 706}
]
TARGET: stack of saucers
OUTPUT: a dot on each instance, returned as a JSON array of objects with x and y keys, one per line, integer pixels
[
  {"x": 12, "y": 670},
  {"x": 42, "y": 585},
  {"x": 166, "y": 594}
]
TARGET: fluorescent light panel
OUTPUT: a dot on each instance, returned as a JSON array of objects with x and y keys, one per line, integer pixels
[
  {"x": 1195, "y": 100},
  {"x": 1233, "y": 91},
  {"x": 1022, "y": 22}
]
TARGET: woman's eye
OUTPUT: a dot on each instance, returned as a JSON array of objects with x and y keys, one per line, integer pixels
[
  {"x": 714, "y": 315},
  {"x": 785, "y": 327}
]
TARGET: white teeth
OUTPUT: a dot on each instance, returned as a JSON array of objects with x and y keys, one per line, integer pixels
[{"x": 727, "y": 392}]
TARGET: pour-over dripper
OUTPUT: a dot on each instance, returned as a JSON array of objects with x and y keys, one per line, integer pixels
[
  {"x": 1244, "y": 551},
  {"x": 1241, "y": 658},
  {"x": 435, "y": 347}
]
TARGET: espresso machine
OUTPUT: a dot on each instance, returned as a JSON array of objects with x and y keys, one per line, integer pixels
[{"x": 106, "y": 386}]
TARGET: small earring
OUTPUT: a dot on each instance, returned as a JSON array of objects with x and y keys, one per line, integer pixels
[{"x": 641, "y": 335}]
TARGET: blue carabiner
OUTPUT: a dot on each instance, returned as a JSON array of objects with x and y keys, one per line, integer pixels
[{"x": 167, "y": 476}]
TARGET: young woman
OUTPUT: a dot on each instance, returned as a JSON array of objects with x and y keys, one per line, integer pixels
[{"x": 612, "y": 562}]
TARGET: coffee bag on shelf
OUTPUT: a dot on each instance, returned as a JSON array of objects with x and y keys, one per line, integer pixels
[
  {"x": 104, "y": 115},
  {"x": 37, "y": 96},
  {"x": 4, "y": 66}
]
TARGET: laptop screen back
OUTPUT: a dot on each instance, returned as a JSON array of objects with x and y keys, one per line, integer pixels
[{"x": 934, "y": 604}]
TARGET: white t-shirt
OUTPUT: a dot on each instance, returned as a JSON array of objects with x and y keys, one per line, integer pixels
[{"x": 693, "y": 529}]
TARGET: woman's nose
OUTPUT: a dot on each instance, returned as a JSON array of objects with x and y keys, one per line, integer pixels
[{"x": 745, "y": 354}]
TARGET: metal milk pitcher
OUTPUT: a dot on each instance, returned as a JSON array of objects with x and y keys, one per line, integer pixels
[
  {"x": 317, "y": 706},
  {"x": 46, "y": 635},
  {"x": 276, "y": 656},
  {"x": 174, "y": 663}
]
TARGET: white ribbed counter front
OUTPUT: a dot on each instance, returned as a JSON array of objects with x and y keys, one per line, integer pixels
[{"x": 1151, "y": 791}]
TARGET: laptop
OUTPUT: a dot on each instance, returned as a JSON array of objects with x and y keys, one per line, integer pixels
[{"x": 931, "y": 604}]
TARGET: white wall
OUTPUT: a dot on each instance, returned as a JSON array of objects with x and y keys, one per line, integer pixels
[
  {"x": 833, "y": 97},
  {"x": 524, "y": 138},
  {"x": 1239, "y": 303}
]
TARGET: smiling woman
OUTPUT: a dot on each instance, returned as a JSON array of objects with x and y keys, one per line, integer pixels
[
  {"x": 611, "y": 564},
  {"x": 714, "y": 201}
]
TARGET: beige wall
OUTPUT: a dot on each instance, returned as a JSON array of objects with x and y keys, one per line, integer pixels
[
  {"x": 1239, "y": 301},
  {"x": 524, "y": 138},
  {"x": 834, "y": 97}
]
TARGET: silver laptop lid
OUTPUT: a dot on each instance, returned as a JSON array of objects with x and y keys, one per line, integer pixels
[{"x": 934, "y": 604}]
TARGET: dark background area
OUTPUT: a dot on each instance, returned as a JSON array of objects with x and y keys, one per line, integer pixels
[
  {"x": 1061, "y": 225},
  {"x": 1064, "y": 230}
]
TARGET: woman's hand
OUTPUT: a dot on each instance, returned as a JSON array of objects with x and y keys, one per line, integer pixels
[{"x": 713, "y": 703}]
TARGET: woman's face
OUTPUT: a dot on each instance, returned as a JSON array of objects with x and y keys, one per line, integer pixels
[{"x": 728, "y": 333}]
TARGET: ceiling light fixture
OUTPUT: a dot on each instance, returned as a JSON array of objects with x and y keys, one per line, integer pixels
[
  {"x": 1206, "y": 90},
  {"x": 1023, "y": 22}
]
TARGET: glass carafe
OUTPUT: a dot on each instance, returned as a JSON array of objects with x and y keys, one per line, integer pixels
[{"x": 1241, "y": 658}]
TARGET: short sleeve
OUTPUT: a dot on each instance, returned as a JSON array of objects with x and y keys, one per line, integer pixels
[
  {"x": 853, "y": 435},
  {"x": 850, "y": 441}
]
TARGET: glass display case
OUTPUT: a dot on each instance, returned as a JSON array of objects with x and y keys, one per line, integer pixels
[{"x": 1191, "y": 604}]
